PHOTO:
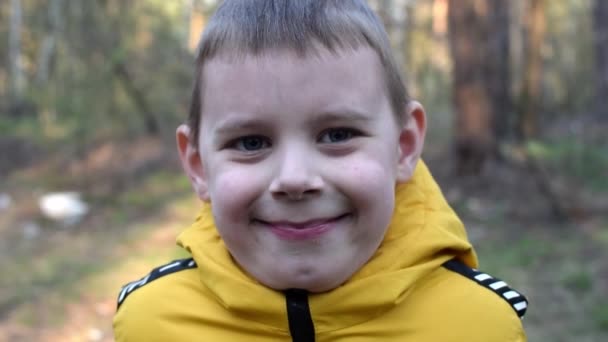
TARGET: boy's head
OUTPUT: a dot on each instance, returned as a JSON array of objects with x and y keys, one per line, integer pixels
[
  {"x": 299, "y": 130},
  {"x": 242, "y": 28}
]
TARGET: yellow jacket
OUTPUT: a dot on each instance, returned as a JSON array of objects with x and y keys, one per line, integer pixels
[{"x": 406, "y": 292}]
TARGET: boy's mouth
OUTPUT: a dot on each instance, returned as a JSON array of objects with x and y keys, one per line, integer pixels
[{"x": 291, "y": 230}]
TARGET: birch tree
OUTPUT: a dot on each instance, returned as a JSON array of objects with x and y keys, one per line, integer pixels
[{"x": 17, "y": 79}]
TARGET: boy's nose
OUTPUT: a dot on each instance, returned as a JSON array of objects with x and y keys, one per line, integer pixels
[{"x": 296, "y": 178}]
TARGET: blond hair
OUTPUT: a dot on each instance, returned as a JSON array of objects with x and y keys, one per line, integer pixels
[{"x": 240, "y": 28}]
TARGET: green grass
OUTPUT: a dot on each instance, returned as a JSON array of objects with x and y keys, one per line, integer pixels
[
  {"x": 586, "y": 162},
  {"x": 558, "y": 269},
  {"x": 578, "y": 280},
  {"x": 600, "y": 315}
]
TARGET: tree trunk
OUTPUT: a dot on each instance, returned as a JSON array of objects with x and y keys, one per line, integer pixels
[
  {"x": 474, "y": 143},
  {"x": 139, "y": 99},
  {"x": 499, "y": 67},
  {"x": 440, "y": 18},
  {"x": 532, "y": 87},
  {"x": 600, "y": 28},
  {"x": 17, "y": 79},
  {"x": 398, "y": 31},
  {"x": 48, "y": 48},
  {"x": 395, "y": 14},
  {"x": 517, "y": 34}
]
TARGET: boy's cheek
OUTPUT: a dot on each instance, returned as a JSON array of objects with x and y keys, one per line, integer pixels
[
  {"x": 370, "y": 179},
  {"x": 366, "y": 172},
  {"x": 235, "y": 188}
]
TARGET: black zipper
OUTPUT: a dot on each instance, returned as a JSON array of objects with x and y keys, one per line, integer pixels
[{"x": 298, "y": 314}]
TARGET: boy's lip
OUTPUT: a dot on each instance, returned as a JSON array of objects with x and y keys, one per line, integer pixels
[{"x": 290, "y": 230}]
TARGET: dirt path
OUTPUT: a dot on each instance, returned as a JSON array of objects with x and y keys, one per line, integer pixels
[{"x": 84, "y": 311}]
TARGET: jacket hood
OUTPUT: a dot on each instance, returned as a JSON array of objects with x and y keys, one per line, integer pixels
[{"x": 423, "y": 234}]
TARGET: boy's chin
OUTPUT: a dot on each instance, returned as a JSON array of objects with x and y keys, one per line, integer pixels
[
  {"x": 312, "y": 287},
  {"x": 309, "y": 281}
]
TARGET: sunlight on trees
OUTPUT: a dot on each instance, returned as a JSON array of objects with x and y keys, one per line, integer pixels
[{"x": 97, "y": 70}]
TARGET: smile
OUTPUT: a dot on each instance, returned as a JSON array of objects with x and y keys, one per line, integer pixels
[{"x": 311, "y": 229}]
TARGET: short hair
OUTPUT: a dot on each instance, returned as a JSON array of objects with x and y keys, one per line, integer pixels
[{"x": 240, "y": 28}]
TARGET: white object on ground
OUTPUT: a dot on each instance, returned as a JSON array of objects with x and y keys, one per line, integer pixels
[{"x": 65, "y": 207}]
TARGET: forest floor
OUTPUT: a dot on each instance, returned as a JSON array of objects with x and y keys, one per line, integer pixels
[{"x": 60, "y": 283}]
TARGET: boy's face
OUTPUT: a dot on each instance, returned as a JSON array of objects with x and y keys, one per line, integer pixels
[{"x": 299, "y": 158}]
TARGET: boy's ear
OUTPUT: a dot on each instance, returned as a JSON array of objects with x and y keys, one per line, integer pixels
[
  {"x": 411, "y": 141},
  {"x": 192, "y": 162}
]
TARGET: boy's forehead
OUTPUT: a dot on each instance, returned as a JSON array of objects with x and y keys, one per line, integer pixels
[
  {"x": 285, "y": 80},
  {"x": 325, "y": 77},
  {"x": 282, "y": 63}
]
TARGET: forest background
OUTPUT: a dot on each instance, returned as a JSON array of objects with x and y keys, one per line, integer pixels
[{"x": 91, "y": 92}]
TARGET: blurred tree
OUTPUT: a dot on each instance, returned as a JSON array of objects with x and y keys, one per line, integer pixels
[
  {"x": 499, "y": 72},
  {"x": 152, "y": 126},
  {"x": 106, "y": 69},
  {"x": 86, "y": 71},
  {"x": 396, "y": 16},
  {"x": 17, "y": 79},
  {"x": 600, "y": 27},
  {"x": 396, "y": 19},
  {"x": 48, "y": 47},
  {"x": 479, "y": 45},
  {"x": 530, "y": 100}
]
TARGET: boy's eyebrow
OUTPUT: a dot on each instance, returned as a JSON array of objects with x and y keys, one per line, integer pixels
[
  {"x": 341, "y": 114},
  {"x": 232, "y": 124}
]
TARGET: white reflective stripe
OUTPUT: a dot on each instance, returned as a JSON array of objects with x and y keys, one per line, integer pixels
[
  {"x": 191, "y": 263},
  {"x": 122, "y": 294},
  {"x": 520, "y": 306},
  {"x": 482, "y": 277},
  {"x": 130, "y": 288},
  {"x": 163, "y": 269},
  {"x": 127, "y": 289},
  {"x": 137, "y": 283},
  {"x": 498, "y": 285},
  {"x": 510, "y": 295},
  {"x": 145, "y": 280}
]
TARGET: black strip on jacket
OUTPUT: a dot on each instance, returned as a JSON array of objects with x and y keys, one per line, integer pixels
[
  {"x": 516, "y": 300},
  {"x": 172, "y": 267},
  {"x": 298, "y": 314}
]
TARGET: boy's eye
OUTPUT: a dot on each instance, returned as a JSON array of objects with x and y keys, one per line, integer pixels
[
  {"x": 336, "y": 135},
  {"x": 251, "y": 143}
]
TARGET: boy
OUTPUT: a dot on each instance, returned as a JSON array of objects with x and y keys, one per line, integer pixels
[{"x": 320, "y": 223}]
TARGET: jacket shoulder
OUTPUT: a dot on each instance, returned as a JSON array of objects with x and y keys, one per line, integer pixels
[
  {"x": 155, "y": 274},
  {"x": 465, "y": 309},
  {"x": 145, "y": 305},
  {"x": 517, "y": 301}
]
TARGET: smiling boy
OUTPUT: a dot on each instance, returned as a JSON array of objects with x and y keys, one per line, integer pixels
[{"x": 320, "y": 222}]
